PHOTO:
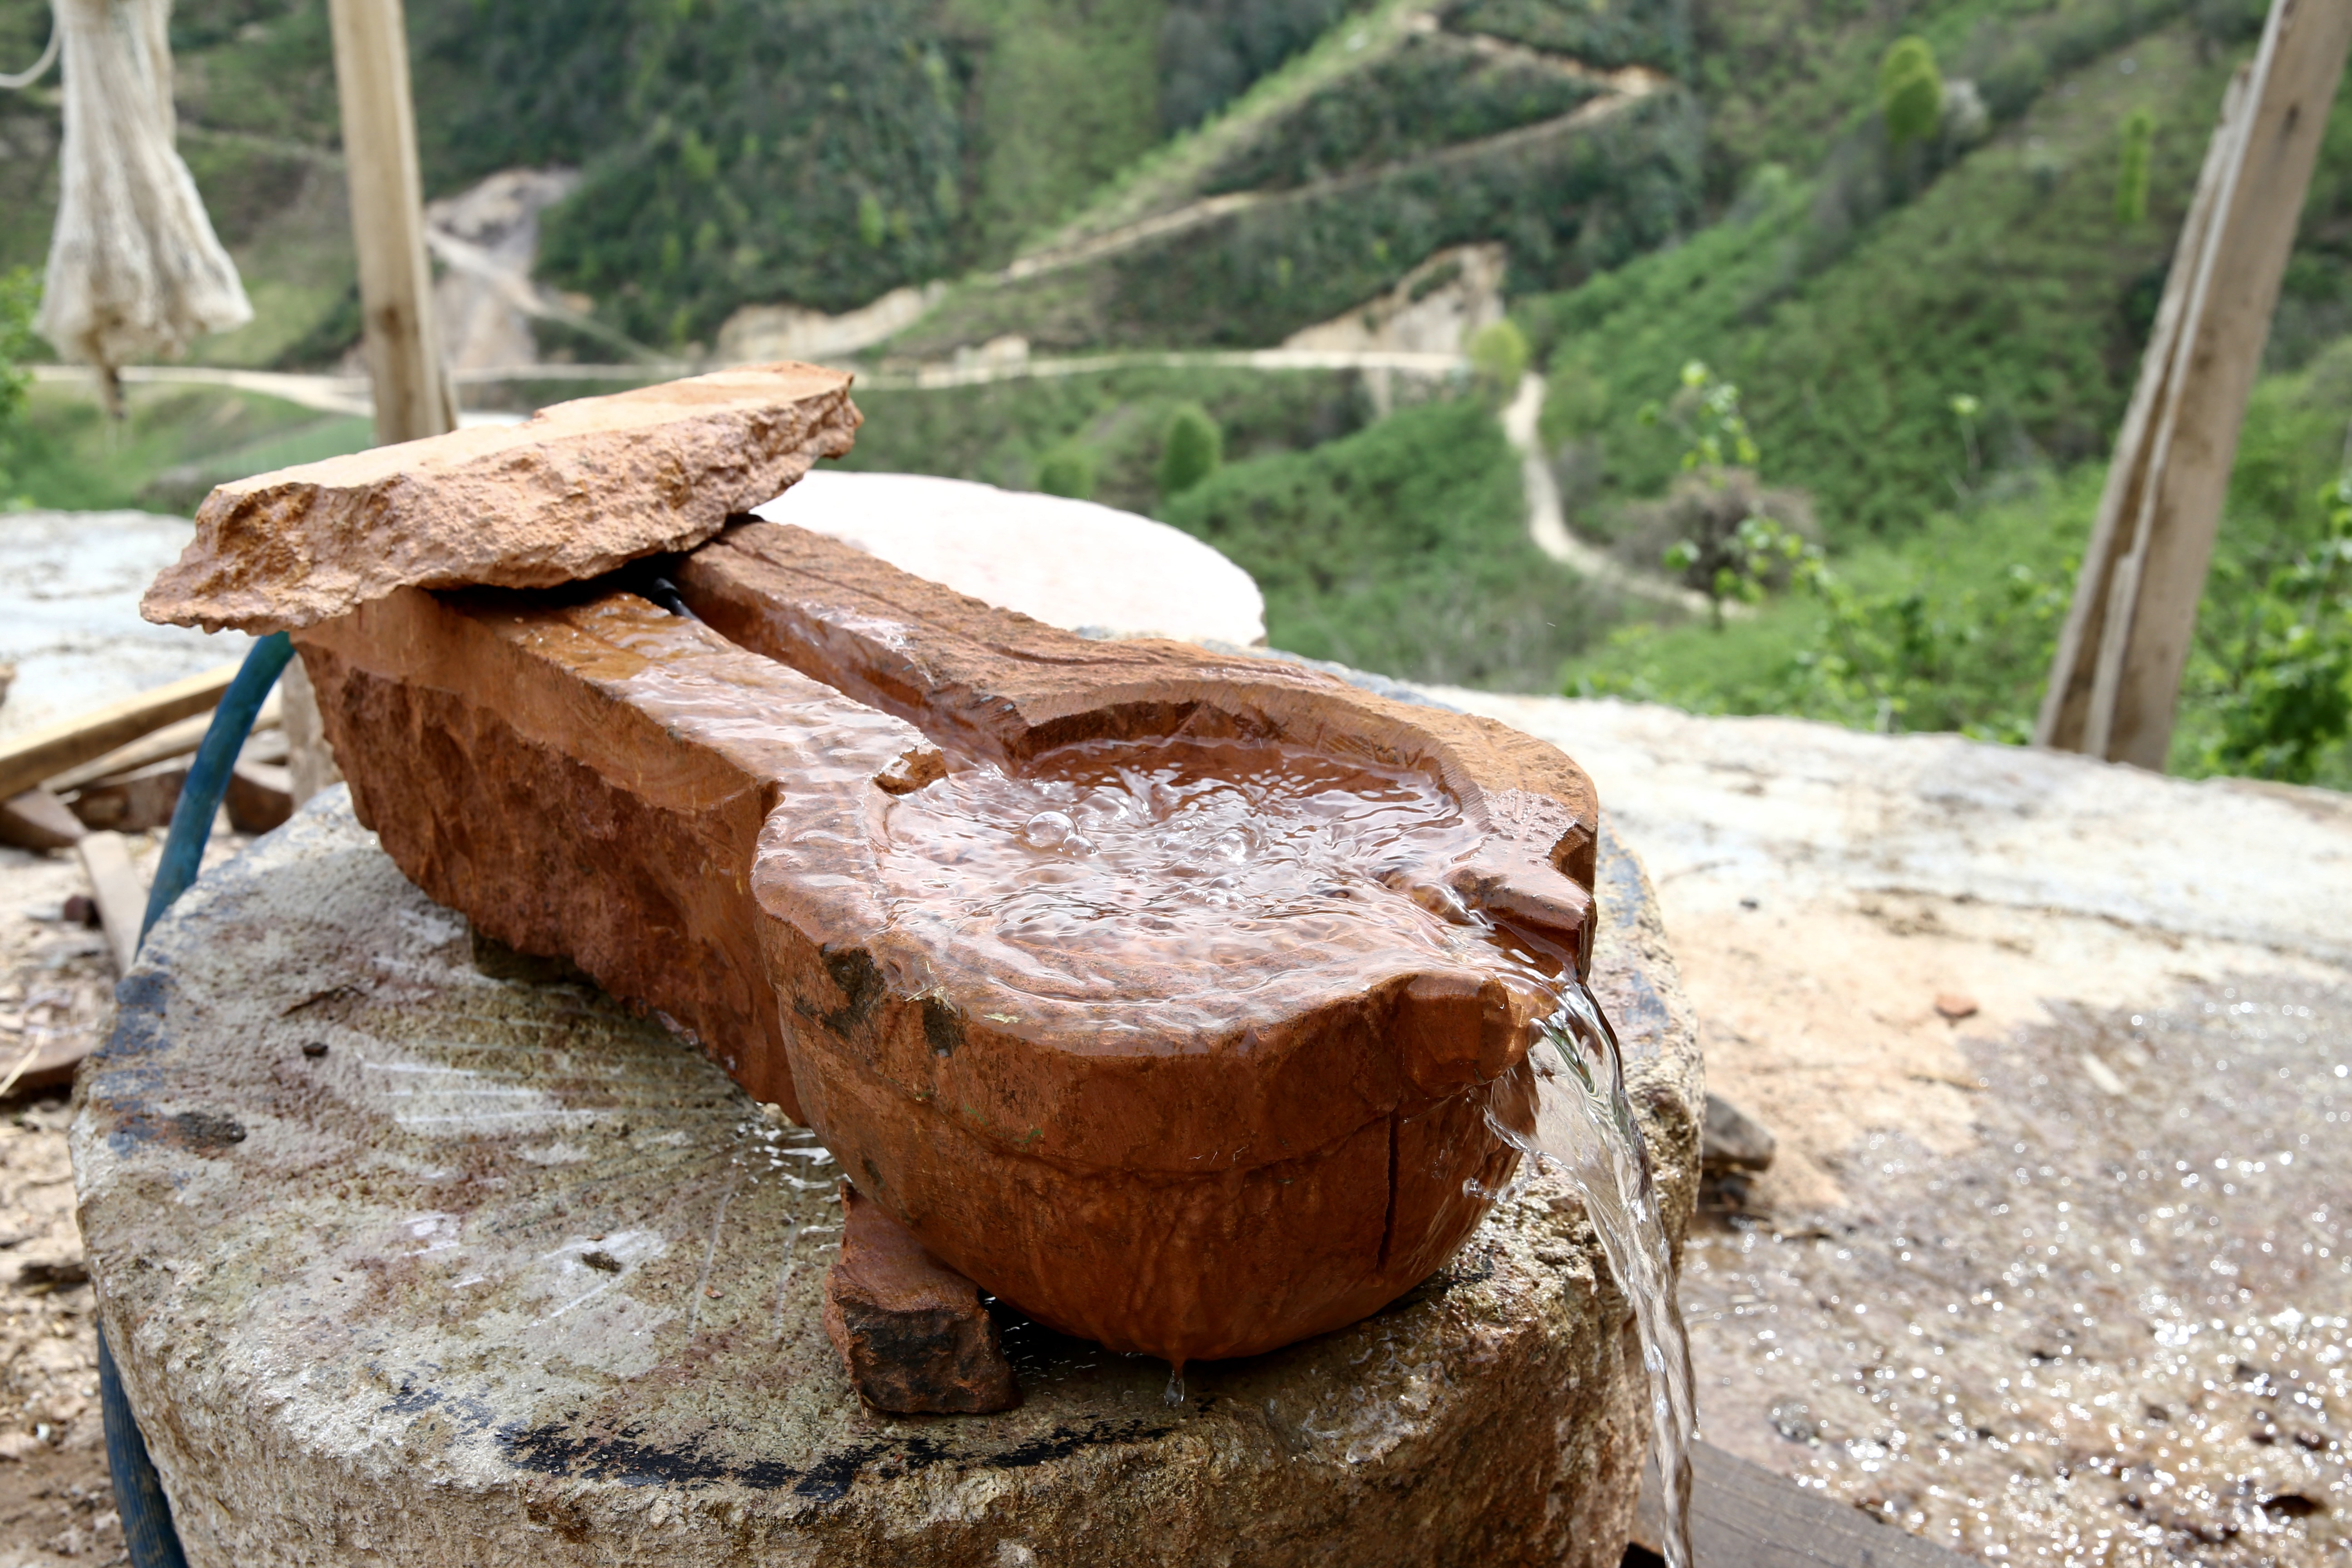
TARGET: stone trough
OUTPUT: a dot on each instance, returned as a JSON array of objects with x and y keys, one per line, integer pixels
[{"x": 497, "y": 1244}]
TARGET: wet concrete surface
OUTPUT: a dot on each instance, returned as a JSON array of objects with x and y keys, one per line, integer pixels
[{"x": 2113, "y": 1331}]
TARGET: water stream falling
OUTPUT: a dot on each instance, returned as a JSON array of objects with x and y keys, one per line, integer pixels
[
  {"x": 1192, "y": 862},
  {"x": 1584, "y": 1127}
]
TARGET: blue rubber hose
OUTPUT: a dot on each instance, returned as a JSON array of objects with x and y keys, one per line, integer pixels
[
  {"x": 200, "y": 797},
  {"x": 148, "y": 1533},
  {"x": 138, "y": 1500}
]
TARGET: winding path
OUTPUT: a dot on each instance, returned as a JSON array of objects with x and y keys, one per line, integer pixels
[{"x": 1548, "y": 521}]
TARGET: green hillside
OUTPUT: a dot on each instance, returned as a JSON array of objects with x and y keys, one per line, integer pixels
[
  {"x": 2005, "y": 277},
  {"x": 1402, "y": 549},
  {"x": 820, "y": 152},
  {"x": 1006, "y": 433},
  {"x": 1405, "y": 133},
  {"x": 1932, "y": 335},
  {"x": 1953, "y": 627}
]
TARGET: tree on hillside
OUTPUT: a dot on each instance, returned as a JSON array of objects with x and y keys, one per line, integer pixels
[
  {"x": 1910, "y": 92},
  {"x": 1190, "y": 451},
  {"x": 2131, "y": 175},
  {"x": 1498, "y": 358}
]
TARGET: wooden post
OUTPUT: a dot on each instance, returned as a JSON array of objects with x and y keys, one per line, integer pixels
[
  {"x": 2115, "y": 681},
  {"x": 413, "y": 399},
  {"x": 412, "y": 395}
]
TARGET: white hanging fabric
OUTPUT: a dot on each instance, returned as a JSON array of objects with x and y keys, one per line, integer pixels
[
  {"x": 17, "y": 82},
  {"x": 135, "y": 271}
]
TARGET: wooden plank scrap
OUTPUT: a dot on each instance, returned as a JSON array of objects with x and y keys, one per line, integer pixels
[
  {"x": 1744, "y": 1516},
  {"x": 134, "y": 802},
  {"x": 38, "y": 819},
  {"x": 121, "y": 892},
  {"x": 177, "y": 739},
  {"x": 260, "y": 796},
  {"x": 39, "y": 755}
]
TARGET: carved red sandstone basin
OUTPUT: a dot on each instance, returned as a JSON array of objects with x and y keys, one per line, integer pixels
[
  {"x": 1194, "y": 1164},
  {"x": 1196, "y": 1128}
]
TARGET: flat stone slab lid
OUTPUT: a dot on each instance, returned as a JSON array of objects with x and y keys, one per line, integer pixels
[
  {"x": 576, "y": 491},
  {"x": 1075, "y": 564},
  {"x": 505, "y": 1275}
]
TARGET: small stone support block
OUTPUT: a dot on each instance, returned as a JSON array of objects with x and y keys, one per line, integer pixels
[{"x": 913, "y": 1333}]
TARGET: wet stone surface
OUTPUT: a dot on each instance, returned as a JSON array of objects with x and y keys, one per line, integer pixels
[
  {"x": 505, "y": 1275},
  {"x": 2117, "y": 1331}
]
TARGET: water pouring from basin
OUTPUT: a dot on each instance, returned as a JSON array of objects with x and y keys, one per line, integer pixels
[
  {"x": 1583, "y": 1126},
  {"x": 1063, "y": 871}
]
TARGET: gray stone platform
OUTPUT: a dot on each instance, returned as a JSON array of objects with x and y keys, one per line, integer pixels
[{"x": 505, "y": 1275}]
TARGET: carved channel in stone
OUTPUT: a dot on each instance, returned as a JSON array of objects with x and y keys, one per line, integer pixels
[{"x": 786, "y": 825}]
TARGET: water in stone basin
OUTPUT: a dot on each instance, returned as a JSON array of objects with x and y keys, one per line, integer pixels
[
  {"x": 1065, "y": 878},
  {"x": 1201, "y": 858}
]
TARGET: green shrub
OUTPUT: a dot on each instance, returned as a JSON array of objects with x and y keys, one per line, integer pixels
[
  {"x": 2131, "y": 170},
  {"x": 2282, "y": 684},
  {"x": 1193, "y": 450},
  {"x": 20, "y": 295},
  {"x": 1402, "y": 549},
  {"x": 1499, "y": 359},
  {"x": 1067, "y": 472},
  {"x": 1910, "y": 92},
  {"x": 999, "y": 432}
]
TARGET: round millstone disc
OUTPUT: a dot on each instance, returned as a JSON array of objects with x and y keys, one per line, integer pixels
[{"x": 408, "y": 1257}]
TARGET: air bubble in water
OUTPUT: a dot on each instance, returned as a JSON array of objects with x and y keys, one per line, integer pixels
[{"x": 1047, "y": 830}]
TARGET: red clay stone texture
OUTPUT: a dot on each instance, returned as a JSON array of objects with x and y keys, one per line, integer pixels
[
  {"x": 912, "y": 1331},
  {"x": 1206, "y": 1160},
  {"x": 589, "y": 782},
  {"x": 577, "y": 491}
]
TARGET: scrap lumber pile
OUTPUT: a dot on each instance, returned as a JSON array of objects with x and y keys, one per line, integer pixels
[{"x": 84, "y": 783}]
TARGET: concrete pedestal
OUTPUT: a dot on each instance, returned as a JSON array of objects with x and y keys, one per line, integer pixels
[{"x": 408, "y": 1262}]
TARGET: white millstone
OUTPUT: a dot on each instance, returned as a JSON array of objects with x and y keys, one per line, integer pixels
[
  {"x": 1070, "y": 564},
  {"x": 506, "y": 1276}
]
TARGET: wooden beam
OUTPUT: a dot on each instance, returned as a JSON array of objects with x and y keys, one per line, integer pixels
[
  {"x": 413, "y": 396},
  {"x": 37, "y": 820},
  {"x": 412, "y": 393},
  {"x": 1744, "y": 1516},
  {"x": 120, "y": 895},
  {"x": 177, "y": 739},
  {"x": 41, "y": 755},
  {"x": 2116, "y": 682}
]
